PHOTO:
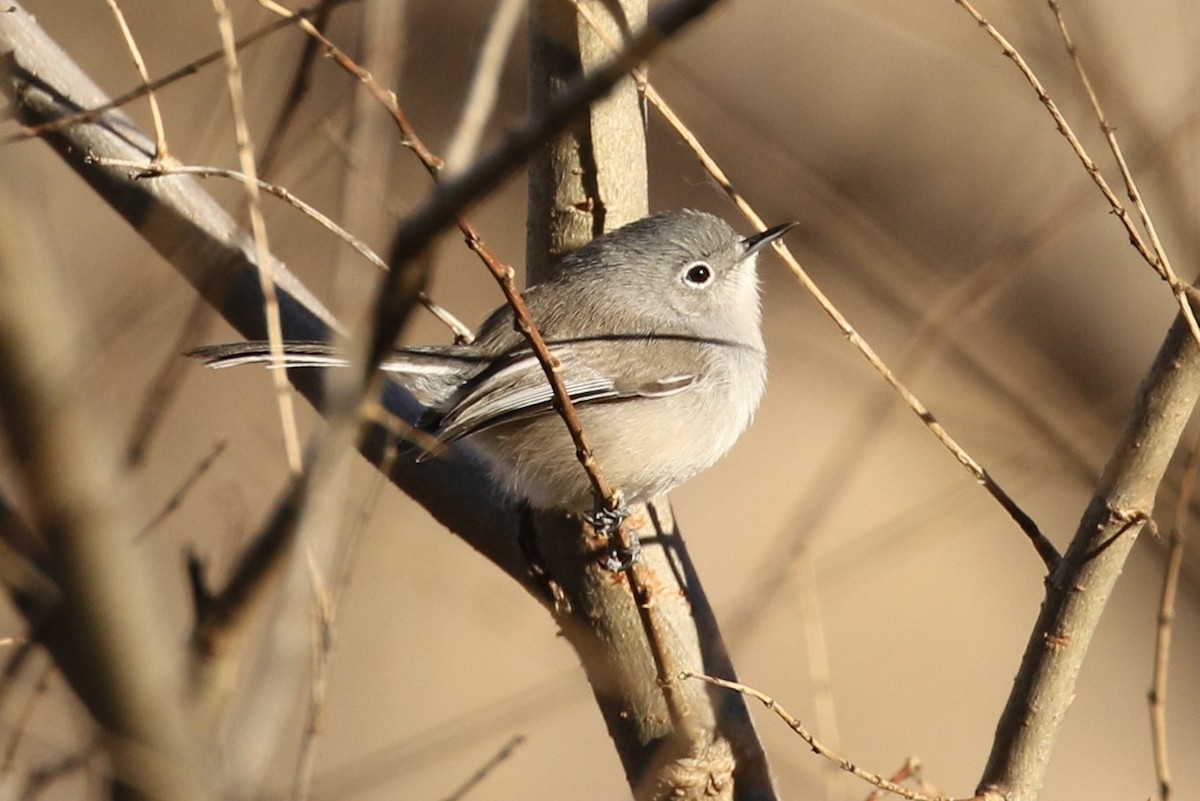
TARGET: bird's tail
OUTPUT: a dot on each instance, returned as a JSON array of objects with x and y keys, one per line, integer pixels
[{"x": 295, "y": 354}]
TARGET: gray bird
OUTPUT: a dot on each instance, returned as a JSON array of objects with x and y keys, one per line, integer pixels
[{"x": 658, "y": 329}]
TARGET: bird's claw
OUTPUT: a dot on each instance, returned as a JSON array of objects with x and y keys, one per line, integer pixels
[{"x": 606, "y": 521}]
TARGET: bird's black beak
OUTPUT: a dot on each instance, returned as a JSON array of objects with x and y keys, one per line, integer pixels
[{"x": 757, "y": 242}]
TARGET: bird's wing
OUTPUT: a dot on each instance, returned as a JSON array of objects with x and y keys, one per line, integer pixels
[{"x": 518, "y": 389}]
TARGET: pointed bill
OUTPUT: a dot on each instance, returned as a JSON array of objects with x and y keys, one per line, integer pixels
[{"x": 758, "y": 241}]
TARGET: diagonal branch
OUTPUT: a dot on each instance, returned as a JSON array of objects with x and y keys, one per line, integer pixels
[{"x": 1077, "y": 591}]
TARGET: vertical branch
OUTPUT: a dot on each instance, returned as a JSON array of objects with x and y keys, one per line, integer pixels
[
  {"x": 637, "y": 632},
  {"x": 283, "y": 390},
  {"x": 591, "y": 178},
  {"x": 1079, "y": 587},
  {"x": 1166, "y": 619},
  {"x": 105, "y": 632}
]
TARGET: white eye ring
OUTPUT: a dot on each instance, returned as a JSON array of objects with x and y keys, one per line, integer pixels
[{"x": 698, "y": 274}]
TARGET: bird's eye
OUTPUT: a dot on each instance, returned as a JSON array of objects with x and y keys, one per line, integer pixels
[{"x": 698, "y": 274}]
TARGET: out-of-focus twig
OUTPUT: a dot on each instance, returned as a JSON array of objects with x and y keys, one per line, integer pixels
[
  {"x": 152, "y": 169},
  {"x": 326, "y": 601},
  {"x": 258, "y": 226},
  {"x": 1157, "y": 697},
  {"x": 485, "y": 85},
  {"x": 294, "y": 96},
  {"x": 105, "y": 632},
  {"x": 173, "y": 503},
  {"x": 165, "y": 382},
  {"x": 497, "y": 759},
  {"x": 191, "y": 68},
  {"x": 1153, "y": 253},
  {"x": 47, "y": 775},
  {"x": 160, "y": 135},
  {"x": 21, "y": 724}
]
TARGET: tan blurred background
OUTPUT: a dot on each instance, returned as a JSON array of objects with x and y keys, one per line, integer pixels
[{"x": 917, "y": 160}]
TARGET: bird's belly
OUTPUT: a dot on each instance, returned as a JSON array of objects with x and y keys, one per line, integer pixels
[{"x": 644, "y": 446}]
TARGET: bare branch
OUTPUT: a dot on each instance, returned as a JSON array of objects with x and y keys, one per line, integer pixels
[
  {"x": 485, "y": 85},
  {"x": 105, "y": 632},
  {"x": 218, "y": 258},
  {"x": 1077, "y": 591},
  {"x": 160, "y": 135},
  {"x": 93, "y": 113},
  {"x": 1152, "y": 255},
  {"x": 816, "y": 745},
  {"x": 258, "y": 226}
]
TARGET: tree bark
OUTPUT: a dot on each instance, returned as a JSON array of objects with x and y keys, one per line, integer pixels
[{"x": 676, "y": 740}]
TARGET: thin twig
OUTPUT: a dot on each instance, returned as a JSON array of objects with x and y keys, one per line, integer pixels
[
  {"x": 327, "y": 599},
  {"x": 293, "y": 97},
  {"x": 368, "y": 770},
  {"x": 386, "y": 97},
  {"x": 910, "y": 768},
  {"x": 163, "y": 386},
  {"x": 485, "y": 84},
  {"x": 21, "y": 724},
  {"x": 784, "y": 557},
  {"x": 1153, "y": 254},
  {"x": 497, "y": 759},
  {"x": 191, "y": 68},
  {"x": 47, "y": 775},
  {"x": 818, "y": 748},
  {"x": 1161, "y": 261},
  {"x": 1157, "y": 697},
  {"x": 154, "y": 170},
  {"x": 258, "y": 227},
  {"x": 160, "y": 135},
  {"x": 173, "y": 503},
  {"x": 1045, "y": 549}
]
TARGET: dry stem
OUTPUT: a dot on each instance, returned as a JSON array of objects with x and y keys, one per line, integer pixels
[
  {"x": 1153, "y": 254},
  {"x": 816, "y": 745},
  {"x": 258, "y": 226},
  {"x": 160, "y": 136}
]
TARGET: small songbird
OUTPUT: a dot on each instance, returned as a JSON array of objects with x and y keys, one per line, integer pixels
[{"x": 658, "y": 329}]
